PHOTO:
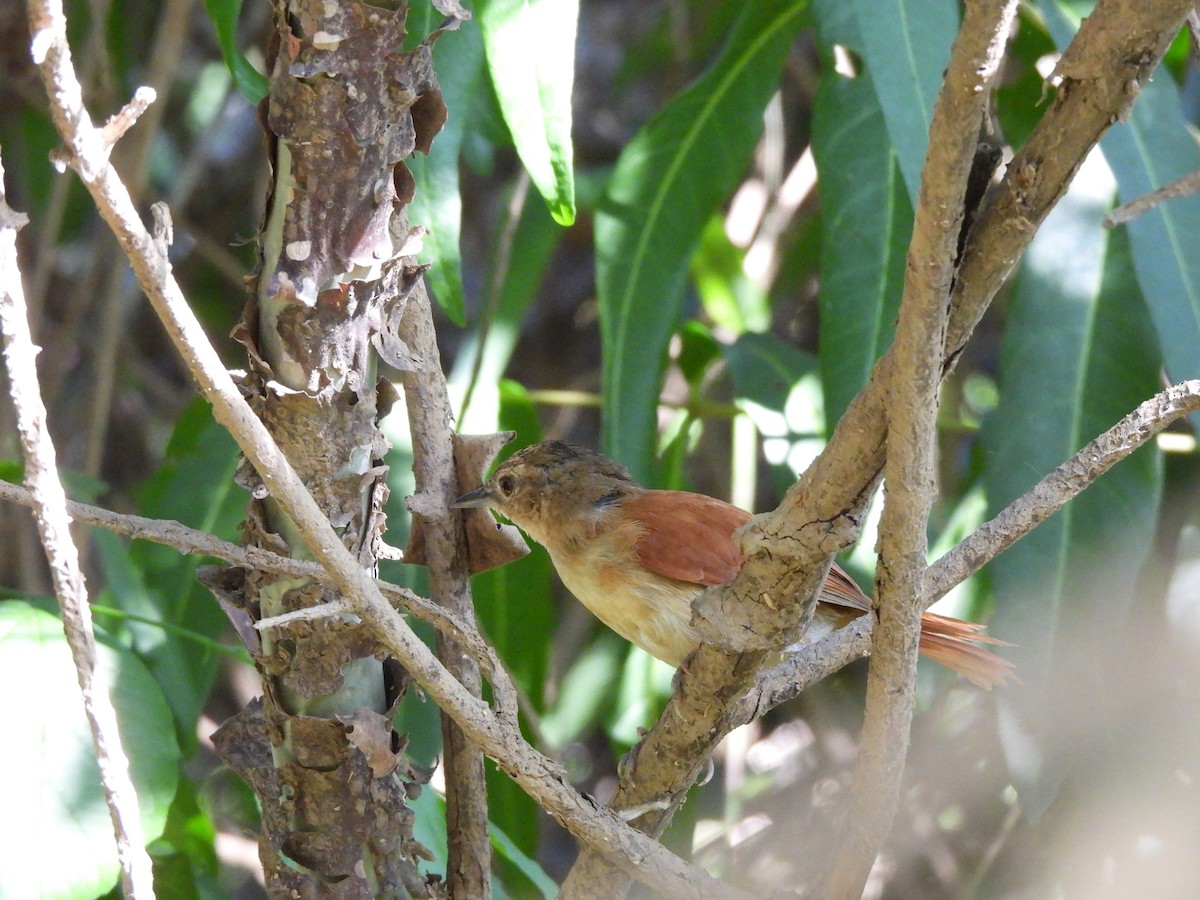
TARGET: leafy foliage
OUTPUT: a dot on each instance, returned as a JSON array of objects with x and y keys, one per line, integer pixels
[{"x": 669, "y": 180}]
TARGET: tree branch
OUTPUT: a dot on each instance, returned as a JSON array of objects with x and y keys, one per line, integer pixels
[
  {"x": 810, "y": 664},
  {"x": 468, "y": 866},
  {"x": 542, "y": 778},
  {"x": 909, "y": 474},
  {"x": 819, "y": 516},
  {"x": 49, "y": 506},
  {"x": 1181, "y": 187},
  {"x": 193, "y": 541}
]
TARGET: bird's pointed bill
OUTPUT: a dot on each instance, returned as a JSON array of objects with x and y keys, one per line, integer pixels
[{"x": 475, "y": 498}]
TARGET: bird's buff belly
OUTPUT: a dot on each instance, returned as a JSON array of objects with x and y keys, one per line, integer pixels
[{"x": 652, "y": 612}]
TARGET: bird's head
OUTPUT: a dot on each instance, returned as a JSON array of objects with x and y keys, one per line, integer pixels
[{"x": 552, "y": 489}]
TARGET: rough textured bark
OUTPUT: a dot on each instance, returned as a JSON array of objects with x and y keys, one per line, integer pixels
[{"x": 346, "y": 107}]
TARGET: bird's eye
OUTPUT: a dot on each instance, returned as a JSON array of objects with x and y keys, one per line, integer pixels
[{"x": 507, "y": 485}]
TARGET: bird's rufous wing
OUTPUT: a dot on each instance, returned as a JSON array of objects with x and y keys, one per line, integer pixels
[
  {"x": 685, "y": 536},
  {"x": 689, "y": 537}
]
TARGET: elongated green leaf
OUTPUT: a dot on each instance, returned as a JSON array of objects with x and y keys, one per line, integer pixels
[
  {"x": 430, "y": 831},
  {"x": 1151, "y": 149},
  {"x": 437, "y": 203},
  {"x": 506, "y": 849},
  {"x": 587, "y": 692},
  {"x": 530, "y": 47},
  {"x": 669, "y": 180},
  {"x": 195, "y": 486},
  {"x": 1079, "y": 352},
  {"x": 477, "y": 369},
  {"x": 56, "y": 838},
  {"x": 224, "y": 16},
  {"x": 732, "y": 299},
  {"x": 866, "y": 222},
  {"x": 185, "y": 859},
  {"x": 777, "y": 386},
  {"x": 906, "y": 45}
]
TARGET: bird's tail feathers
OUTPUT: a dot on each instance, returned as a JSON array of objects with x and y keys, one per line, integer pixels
[{"x": 953, "y": 643}]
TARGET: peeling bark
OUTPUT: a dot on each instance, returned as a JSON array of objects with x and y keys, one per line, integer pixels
[{"x": 346, "y": 107}]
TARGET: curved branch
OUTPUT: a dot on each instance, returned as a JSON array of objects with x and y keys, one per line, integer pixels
[
  {"x": 540, "y": 777},
  {"x": 819, "y": 515}
]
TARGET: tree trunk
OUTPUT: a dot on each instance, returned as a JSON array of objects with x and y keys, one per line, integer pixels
[{"x": 346, "y": 106}]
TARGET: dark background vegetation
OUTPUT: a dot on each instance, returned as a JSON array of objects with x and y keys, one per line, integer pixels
[{"x": 1084, "y": 779}]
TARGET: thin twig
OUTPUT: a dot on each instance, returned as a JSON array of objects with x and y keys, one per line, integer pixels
[
  {"x": 1060, "y": 486},
  {"x": 1181, "y": 187},
  {"x": 126, "y": 117},
  {"x": 516, "y": 206},
  {"x": 115, "y": 301},
  {"x": 805, "y": 667},
  {"x": 49, "y": 505},
  {"x": 469, "y": 855},
  {"x": 193, "y": 541}
]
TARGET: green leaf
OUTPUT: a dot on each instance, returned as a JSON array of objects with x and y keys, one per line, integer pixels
[
  {"x": 437, "y": 204},
  {"x": 906, "y": 45},
  {"x": 478, "y": 370},
  {"x": 764, "y": 369},
  {"x": 224, "y": 16},
  {"x": 698, "y": 350},
  {"x": 507, "y": 849},
  {"x": 670, "y": 179},
  {"x": 516, "y": 611},
  {"x": 194, "y": 486},
  {"x": 185, "y": 858},
  {"x": 430, "y": 830},
  {"x": 530, "y": 47},
  {"x": 866, "y": 224},
  {"x": 778, "y": 387},
  {"x": 730, "y": 298},
  {"x": 56, "y": 839},
  {"x": 1152, "y": 148},
  {"x": 586, "y": 693},
  {"x": 1079, "y": 352},
  {"x": 645, "y": 685}
]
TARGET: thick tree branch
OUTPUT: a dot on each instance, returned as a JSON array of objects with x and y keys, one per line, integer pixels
[
  {"x": 909, "y": 474},
  {"x": 1122, "y": 42},
  {"x": 50, "y": 510},
  {"x": 543, "y": 779}
]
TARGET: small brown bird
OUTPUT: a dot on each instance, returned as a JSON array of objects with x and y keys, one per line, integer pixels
[{"x": 637, "y": 558}]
